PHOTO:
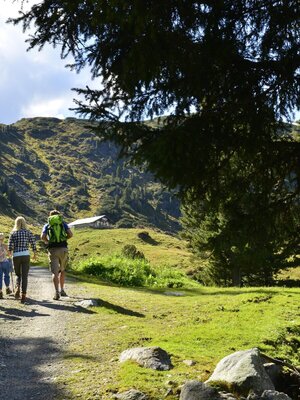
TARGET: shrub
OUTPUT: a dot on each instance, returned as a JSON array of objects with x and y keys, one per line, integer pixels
[
  {"x": 130, "y": 251},
  {"x": 125, "y": 271},
  {"x": 120, "y": 270}
]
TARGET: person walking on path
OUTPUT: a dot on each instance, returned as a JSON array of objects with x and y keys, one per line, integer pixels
[
  {"x": 19, "y": 242},
  {"x": 4, "y": 267},
  {"x": 55, "y": 235}
]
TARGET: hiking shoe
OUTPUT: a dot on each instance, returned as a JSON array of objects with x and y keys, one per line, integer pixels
[
  {"x": 56, "y": 296},
  {"x": 23, "y": 298},
  {"x": 1, "y": 295},
  {"x": 63, "y": 293},
  {"x": 17, "y": 294},
  {"x": 8, "y": 291}
]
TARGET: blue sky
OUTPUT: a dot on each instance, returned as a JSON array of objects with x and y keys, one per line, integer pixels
[{"x": 34, "y": 84}]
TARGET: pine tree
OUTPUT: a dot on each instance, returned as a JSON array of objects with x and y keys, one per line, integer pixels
[
  {"x": 231, "y": 66},
  {"x": 247, "y": 235},
  {"x": 223, "y": 76}
]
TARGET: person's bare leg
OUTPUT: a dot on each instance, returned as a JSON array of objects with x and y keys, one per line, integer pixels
[
  {"x": 62, "y": 283},
  {"x": 55, "y": 281},
  {"x": 62, "y": 279}
]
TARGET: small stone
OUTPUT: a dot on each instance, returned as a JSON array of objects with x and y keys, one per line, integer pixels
[
  {"x": 86, "y": 303},
  {"x": 189, "y": 363},
  {"x": 174, "y": 294}
]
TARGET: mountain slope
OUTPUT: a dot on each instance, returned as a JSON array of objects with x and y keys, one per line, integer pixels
[{"x": 51, "y": 163}]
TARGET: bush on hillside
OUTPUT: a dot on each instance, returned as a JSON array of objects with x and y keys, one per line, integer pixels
[
  {"x": 119, "y": 270},
  {"x": 130, "y": 251},
  {"x": 131, "y": 272}
]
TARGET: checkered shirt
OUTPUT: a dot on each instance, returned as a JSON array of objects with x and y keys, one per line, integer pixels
[{"x": 20, "y": 241}]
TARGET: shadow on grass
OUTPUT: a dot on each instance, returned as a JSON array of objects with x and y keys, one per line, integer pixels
[
  {"x": 188, "y": 291},
  {"x": 28, "y": 367},
  {"x": 210, "y": 291},
  {"x": 145, "y": 237},
  {"x": 119, "y": 309},
  {"x": 73, "y": 356}
]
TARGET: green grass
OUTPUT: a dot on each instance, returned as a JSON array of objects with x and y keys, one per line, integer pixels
[
  {"x": 197, "y": 323},
  {"x": 6, "y": 224},
  {"x": 124, "y": 271},
  {"x": 203, "y": 325},
  {"x": 161, "y": 249}
]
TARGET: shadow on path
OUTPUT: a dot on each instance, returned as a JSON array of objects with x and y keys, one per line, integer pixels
[
  {"x": 62, "y": 306},
  {"x": 17, "y": 313},
  {"x": 22, "y": 362}
]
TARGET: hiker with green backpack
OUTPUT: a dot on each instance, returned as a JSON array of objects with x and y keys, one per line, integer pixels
[{"x": 55, "y": 235}]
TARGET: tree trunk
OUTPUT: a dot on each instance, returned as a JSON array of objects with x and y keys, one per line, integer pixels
[{"x": 236, "y": 277}]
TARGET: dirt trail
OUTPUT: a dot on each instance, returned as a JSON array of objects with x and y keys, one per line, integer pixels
[{"x": 33, "y": 337}]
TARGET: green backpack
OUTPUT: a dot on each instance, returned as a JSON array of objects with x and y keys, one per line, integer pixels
[{"x": 56, "y": 231}]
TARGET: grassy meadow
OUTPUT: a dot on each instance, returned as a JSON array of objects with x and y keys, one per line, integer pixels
[
  {"x": 190, "y": 322},
  {"x": 158, "y": 249},
  {"x": 199, "y": 324}
]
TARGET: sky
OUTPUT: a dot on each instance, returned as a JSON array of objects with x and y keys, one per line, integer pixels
[{"x": 33, "y": 83}]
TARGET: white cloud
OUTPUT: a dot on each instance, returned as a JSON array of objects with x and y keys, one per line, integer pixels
[
  {"x": 32, "y": 83},
  {"x": 46, "y": 108}
]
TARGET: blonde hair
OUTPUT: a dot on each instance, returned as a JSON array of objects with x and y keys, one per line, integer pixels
[
  {"x": 20, "y": 223},
  {"x": 2, "y": 235}
]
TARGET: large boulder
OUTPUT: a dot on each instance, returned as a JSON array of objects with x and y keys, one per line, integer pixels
[
  {"x": 149, "y": 357},
  {"x": 242, "y": 371}
]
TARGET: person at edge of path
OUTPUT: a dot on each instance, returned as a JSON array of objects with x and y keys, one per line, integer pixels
[
  {"x": 4, "y": 266},
  {"x": 57, "y": 253},
  {"x": 20, "y": 239}
]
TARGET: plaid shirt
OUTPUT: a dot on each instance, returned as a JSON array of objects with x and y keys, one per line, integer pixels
[{"x": 20, "y": 241}]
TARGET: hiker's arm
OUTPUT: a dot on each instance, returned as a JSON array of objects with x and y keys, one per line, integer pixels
[
  {"x": 44, "y": 238},
  {"x": 7, "y": 251},
  {"x": 69, "y": 233},
  {"x": 68, "y": 230},
  {"x": 10, "y": 246},
  {"x": 33, "y": 246}
]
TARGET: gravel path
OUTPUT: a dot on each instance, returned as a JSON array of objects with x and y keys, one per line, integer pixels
[{"x": 33, "y": 337}]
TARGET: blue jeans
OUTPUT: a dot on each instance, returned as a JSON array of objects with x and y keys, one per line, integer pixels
[{"x": 4, "y": 271}]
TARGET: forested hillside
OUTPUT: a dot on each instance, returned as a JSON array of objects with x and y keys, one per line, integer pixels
[{"x": 51, "y": 163}]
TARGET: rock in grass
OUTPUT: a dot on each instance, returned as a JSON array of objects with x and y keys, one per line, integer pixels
[
  {"x": 274, "y": 395},
  {"x": 148, "y": 357},
  {"x": 131, "y": 394},
  {"x": 87, "y": 303},
  {"x": 196, "y": 390},
  {"x": 189, "y": 363},
  {"x": 242, "y": 371},
  {"x": 178, "y": 294}
]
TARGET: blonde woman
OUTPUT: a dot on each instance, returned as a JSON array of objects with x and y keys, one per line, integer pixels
[{"x": 18, "y": 245}]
